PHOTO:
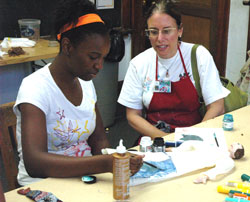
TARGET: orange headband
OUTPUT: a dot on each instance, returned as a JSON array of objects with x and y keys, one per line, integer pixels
[{"x": 83, "y": 20}]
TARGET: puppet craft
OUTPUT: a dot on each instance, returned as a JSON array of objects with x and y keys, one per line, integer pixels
[
  {"x": 197, "y": 153},
  {"x": 221, "y": 160}
]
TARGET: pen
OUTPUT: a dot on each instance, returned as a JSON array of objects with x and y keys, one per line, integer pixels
[
  {"x": 227, "y": 199},
  {"x": 216, "y": 140},
  {"x": 150, "y": 164}
]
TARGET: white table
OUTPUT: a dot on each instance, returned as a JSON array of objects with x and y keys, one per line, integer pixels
[{"x": 180, "y": 189}]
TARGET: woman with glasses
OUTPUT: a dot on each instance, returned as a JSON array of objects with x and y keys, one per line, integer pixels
[{"x": 160, "y": 79}]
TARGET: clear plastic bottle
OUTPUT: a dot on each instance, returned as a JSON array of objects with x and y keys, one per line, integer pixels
[
  {"x": 121, "y": 173},
  {"x": 145, "y": 144}
]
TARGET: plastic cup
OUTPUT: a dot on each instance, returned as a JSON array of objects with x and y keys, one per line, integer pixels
[{"x": 30, "y": 28}]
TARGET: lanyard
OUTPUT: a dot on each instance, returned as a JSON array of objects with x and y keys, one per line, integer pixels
[{"x": 182, "y": 60}]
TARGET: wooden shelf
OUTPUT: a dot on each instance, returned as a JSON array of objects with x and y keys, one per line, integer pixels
[{"x": 40, "y": 51}]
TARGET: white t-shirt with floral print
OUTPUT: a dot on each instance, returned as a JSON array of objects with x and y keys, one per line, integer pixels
[{"x": 68, "y": 126}]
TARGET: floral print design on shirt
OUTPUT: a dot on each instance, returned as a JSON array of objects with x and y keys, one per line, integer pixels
[
  {"x": 78, "y": 149},
  {"x": 68, "y": 137},
  {"x": 61, "y": 114}
]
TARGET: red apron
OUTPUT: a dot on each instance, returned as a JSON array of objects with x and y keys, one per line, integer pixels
[{"x": 180, "y": 108}]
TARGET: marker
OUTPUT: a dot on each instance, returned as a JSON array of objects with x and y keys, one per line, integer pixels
[
  {"x": 226, "y": 189},
  {"x": 227, "y": 199},
  {"x": 238, "y": 184},
  {"x": 241, "y": 196},
  {"x": 232, "y": 192},
  {"x": 245, "y": 177},
  {"x": 216, "y": 140}
]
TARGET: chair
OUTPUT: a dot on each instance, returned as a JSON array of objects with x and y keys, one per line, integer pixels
[{"x": 8, "y": 144}]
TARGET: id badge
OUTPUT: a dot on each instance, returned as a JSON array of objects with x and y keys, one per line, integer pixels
[{"x": 163, "y": 86}]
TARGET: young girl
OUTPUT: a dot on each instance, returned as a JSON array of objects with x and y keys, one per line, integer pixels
[{"x": 59, "y": 128}]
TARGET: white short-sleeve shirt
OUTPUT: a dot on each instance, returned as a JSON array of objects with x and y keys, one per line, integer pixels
[
  {"x": 139, "y": 82},
  {"x": 68, "y": 126}
]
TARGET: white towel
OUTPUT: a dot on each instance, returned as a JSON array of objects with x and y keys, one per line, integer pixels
[{"x": 9, "y": 42}]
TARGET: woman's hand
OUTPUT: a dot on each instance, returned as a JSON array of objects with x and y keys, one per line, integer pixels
[
  {"x": 135, "y": 163},
  {"x": 141, "y": 125}
]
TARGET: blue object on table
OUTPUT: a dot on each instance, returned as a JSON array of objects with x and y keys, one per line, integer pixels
[
  {"x": 90, "y": 179},
  {"x": 173, "y": 143},
  {"x": 155, "y": 169},
  {"x": 228, "y": 122}
]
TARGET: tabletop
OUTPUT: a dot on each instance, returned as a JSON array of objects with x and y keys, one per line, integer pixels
[
  {"x": 179, "y": 189},
  {"x": 41, "y": 50}
]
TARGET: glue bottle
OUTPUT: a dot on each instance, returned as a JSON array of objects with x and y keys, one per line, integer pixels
[{"x": 121, "y": 173}]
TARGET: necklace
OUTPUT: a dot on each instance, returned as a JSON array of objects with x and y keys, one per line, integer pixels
[{"x": 169, "y": 66}]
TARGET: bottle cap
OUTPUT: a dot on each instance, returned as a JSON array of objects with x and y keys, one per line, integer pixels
[
  {"x": 146, "y": 141},
  {"x": 145, "y": 144},
  {"x": 245, "y": 177},
  {"x": 121, "y": 149},
  {"x": 159, "y": 142},
  {"x": 228, "y": 117}
]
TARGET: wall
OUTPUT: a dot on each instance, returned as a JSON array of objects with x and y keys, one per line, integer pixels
[{"x": 237, "y": 39}]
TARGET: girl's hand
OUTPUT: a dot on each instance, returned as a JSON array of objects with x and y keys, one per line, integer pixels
[{"x": 135, "y": 163}]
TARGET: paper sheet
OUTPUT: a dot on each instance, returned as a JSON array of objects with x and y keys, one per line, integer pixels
[{"x": 211, "y": 136}]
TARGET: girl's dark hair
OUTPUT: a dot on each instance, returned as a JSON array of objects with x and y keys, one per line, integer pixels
[
  {"x": 68, "y": 12},
  {"x": 167, "y": 7}
]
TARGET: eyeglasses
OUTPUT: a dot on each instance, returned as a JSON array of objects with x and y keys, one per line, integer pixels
[{"x": 155, "y": 32}]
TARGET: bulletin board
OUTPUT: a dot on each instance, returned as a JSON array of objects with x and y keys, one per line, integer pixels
[{"x": 111, "y": 16}]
